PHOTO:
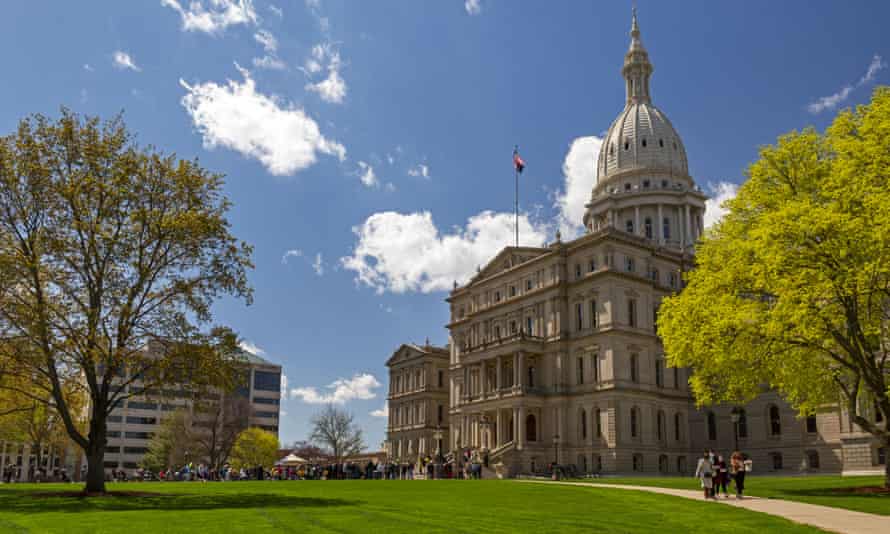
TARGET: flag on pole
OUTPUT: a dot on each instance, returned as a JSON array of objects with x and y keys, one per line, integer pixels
[{"x": 518, "y": 162}]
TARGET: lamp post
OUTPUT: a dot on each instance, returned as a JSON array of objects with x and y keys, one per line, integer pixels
[
  {"x": 735, "y": 415},
  {"x": 437, "y": 435}
]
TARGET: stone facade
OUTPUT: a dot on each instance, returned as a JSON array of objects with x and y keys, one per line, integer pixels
[
  {"x": 418, "y": 402},
  {"x": 554, "y": 353}
]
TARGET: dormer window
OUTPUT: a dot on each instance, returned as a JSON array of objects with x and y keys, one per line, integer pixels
[
  {"x": 626, "y": 145},
  {"x": 644, "y": 142}
]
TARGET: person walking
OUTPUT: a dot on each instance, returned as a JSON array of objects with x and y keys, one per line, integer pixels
[
  {"x": 705, "y": 471},
  {"x": 737, "y": 465},
  {"x": 722, "y": 480}
]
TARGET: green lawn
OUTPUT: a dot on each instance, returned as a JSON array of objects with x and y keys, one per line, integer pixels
[
  {"x": 372, "y": 506},
  {"x": 824, "y": 490}
]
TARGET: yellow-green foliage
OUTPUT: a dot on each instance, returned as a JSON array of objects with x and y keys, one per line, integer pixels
[
  {"x": 254, "y": 447},
  {"x": 792, "y": 287}
]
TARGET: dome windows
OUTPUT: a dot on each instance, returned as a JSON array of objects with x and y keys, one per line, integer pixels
[
  {"x": 626, "y": 145},
  {"x": 644, "y": 142},
  {"x": 612, "y": 149}
]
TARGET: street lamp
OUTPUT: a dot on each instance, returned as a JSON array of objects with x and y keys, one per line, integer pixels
[
  {"x": 735, "y": 415},
  {"x": 437, "y": 435}
]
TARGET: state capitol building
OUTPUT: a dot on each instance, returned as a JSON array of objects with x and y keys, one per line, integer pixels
[{"x": 554, "y": 353}]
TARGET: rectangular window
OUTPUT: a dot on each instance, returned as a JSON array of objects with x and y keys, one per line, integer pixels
[
  {"x": 580, "y": 370},
  {"x": 577, "y": 270},
  {"x": 440, "y": 376},
  {"x": 272, "y": 415},
  {"x": 133, "y": 420},
  {"x": 135, "y": 450},
  {"x": 528, "y": 284},
  {"x": 595, "y": 367},
  {"x": 811, "y": 424},
  {"x": 138, "y": 435},
  {"x": 439, "y": 414},
  {"x": 109, "y": 465},
  {"x": 113, "y": 434},
  {"x": 142, "y": 405},
  {"x": 593, "y": 314},
  {"x": 262, "y": 400},
  {"x": 528, "y": 326},
  {"x": 112, "y": 450},
  {"x": 592, "y": 265},
  {"x": 659, "y": 373},
  {"x": 266, "y": 381},
  {"x": 629, "y": 264},
  {"x": 270, "y": 428},
  {"x": 579, "y": 313},
  {"x": 512, "y": 327},
  {"x": 632, "y": 312},
  {"x": 512, "y": 291},
  {"x": 497, "y": 296},
  {"x": 114, "y": 419}
]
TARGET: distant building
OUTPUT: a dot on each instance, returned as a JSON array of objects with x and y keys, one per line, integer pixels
[
  {"x": 418, "y": 402},
  {"x": 132, "y": 424}
]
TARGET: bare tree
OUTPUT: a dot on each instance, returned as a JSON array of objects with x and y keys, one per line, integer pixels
[
  {"x": 335, "y": 429},
  {"x": 220, "y": 421}
]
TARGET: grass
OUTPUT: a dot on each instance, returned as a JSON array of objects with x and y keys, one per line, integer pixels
[
  {"x": 372, "y": 506},
  {"x": 823, "y": 490}
]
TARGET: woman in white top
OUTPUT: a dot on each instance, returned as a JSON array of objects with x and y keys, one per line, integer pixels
[{"x": 704, "y": 471}]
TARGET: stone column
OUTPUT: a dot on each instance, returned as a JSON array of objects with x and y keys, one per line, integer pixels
[
  {"x": 521, "y": 380},
  {"x": 659, "y": 227},
  {"x": 519, "y": 417},
  {"x": 637, "y": 220},
  {"x": 688, "y": 226},
  {"x": 516, "y": 370},
  {"x": 499, "y": 383},
  {"x": 499, "y": 428}
]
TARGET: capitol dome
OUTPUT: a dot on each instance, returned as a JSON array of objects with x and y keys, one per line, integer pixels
[{"x": 641, "y": 139}]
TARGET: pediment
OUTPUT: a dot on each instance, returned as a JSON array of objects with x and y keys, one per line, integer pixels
[{"x": 506, "y": 259}]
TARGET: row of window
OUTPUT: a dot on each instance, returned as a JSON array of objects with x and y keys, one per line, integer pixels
[
  {"x": 774, "y": 419},
  {"x": 661, "y": 430},
  {"x": 627, "y": 142}
]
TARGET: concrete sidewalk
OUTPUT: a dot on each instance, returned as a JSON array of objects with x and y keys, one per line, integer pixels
[{"x": 824, "y": 517}]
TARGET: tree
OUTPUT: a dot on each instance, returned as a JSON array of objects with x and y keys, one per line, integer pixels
[
  {"x": 792, "y": 288},
  {"x": 222, "y": 421},
  {"x": 111, "y": 256},
  {"x": 255, "y": 447},
  {"x": 336, "y": 429},
  {"x": 172, "y": 444},
  {"x": 308, "y": 451}
]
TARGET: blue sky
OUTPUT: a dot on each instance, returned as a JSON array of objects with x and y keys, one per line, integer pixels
[{"x": 372, "y": 140}]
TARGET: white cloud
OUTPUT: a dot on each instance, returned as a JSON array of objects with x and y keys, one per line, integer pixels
[
  {"x": 318, "y": 265},
  {"x": 381, "y": 412},
  {"x": 269, "y": 62},
  {"x": 405, "y": 252},
  {"x": 292, "y": 253},
  {"x": 579, "y": 170},
  {"x": 341, "y": 391},
  {"x": 278, "y": 134},
  {"x": 387, "y": 309},
  {"x": 122, "y": 60},
  {"x": 333, "y": 88},
  {"x": 216, "y": 17},
  {"x": 265, "y": 38},
  {"x": 367, "y": 175},
  {"x": 419, "y": 170},
  {"x": 87, "y": 67},
  {"x": 834, "y": 100},
  {"x": 248, "y": 346},
  {"x": 283, "y": 389},
  {"x": 720, "y": 193},
  {"x": 473, "y": 7},
  {"x": 390, "y": 187}
]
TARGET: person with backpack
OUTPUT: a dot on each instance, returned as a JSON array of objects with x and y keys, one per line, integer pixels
[{"x": 705, "y": 472}]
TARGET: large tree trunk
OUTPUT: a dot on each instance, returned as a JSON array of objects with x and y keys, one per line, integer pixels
[
  {"x": 95, "y": 452},
  {"x": 887, "y": 463}
]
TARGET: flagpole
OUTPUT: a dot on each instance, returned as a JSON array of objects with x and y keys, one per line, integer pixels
[{"x": 516, "y": 175}]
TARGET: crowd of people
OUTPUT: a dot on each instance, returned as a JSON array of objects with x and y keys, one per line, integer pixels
[{"x": 715, "y": 473}]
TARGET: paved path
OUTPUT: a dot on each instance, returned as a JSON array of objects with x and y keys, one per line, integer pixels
[{"x": 824, "y": 517}]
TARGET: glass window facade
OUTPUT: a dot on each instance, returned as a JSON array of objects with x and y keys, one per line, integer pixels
[{"x": 266, "y": 381}]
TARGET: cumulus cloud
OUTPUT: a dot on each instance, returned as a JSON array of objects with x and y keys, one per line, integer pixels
[
  {"x": 473, "y": 7},
  {"x": 579, "y": 171},
  {"x": 341, "y": 391},
  {"x": 278, "y": 134},
  {"x": 215, "y": 17},
  {"x": 333, "y": 88},
  {"x": 834, "y": 100},
  {"x": 269, "y": 62},
  {"x": 419, "y": 170},
  {"x": 267, "y": 40},
  {"x": 720, "y": 193},
  {"x": 122, "y": 60},
  {"x": 318, "y": 265},
  {"x": 367, "y": 175},
  {"x": 405, "y": 252},
  {"x": 292, "y": 253},
  {"x": 381, "y": 412},
  {"x": 277, "y": 10},
  {"x": 248, "y": 346}
]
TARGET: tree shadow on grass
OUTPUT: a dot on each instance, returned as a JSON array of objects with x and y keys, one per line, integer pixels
[
  {"x": 30, "y": 502},
  {"x": 837, "y": 493}
]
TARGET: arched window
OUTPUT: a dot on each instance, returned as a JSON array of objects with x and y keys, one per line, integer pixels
[
  {"x": 663, "y": 463},
  {"x": 775, "y": 421},
  {"x": 776, "y": 460},
  {"x": 813, "y": 459},
  {"x": 638, "y": 462},
  {"x": 712, "y": 426},
  {"x": 629, "y": 225},
  {"x": 666, "y": 228},
  {"x": 612, "y": 149},
  {"x": 597, "y": 463},
  {"x": 659, "y": 425},
  {"x": 634, "y": 368},
  {"x": 644, "y": 142},
  {"x": 743, "y": 423},
  {"x": 598, "y": 421},
  {"x": 531, "y": 429},
  {"x": 531, "y": 376},
  {"x": 647, "y": 225},
  {"x": 677, "y": 421},
  {"x": 582, "y": 423},
  {"x": 634, "y": 421}
]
